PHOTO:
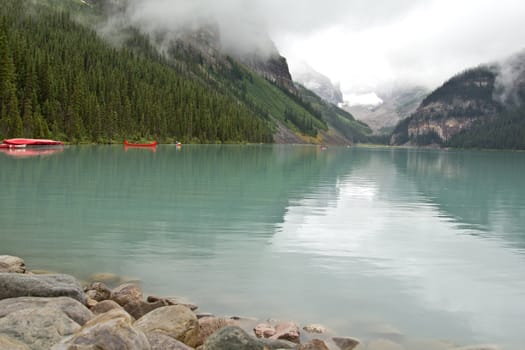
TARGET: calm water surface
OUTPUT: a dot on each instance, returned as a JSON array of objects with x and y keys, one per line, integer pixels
[{"x": 430, "y": 243}]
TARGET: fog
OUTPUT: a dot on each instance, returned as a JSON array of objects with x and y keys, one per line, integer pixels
[{"x": 363, "y": 44}]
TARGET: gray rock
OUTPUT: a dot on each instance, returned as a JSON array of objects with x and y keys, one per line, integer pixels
[
  {"x": 232, "y": 338},
  {"x": 11, "y": 344},
  {"x": 71, "y": 307},
  {"x": 38, "y": 328},
  {"x": 314, "y": 344},
  {"x": 160, "y": 341},
  {"x": 112, "y": 330},
  {"x": 12, "y": 264},
  {"x": 210, "y": 325},
  {"x": 105, "y": 306},
  {"x": 176, "y": 321},
  {"x": 98, "y": 291},
  {"x": 346, "y": 343},
  {"x": 17, "y": 285}
]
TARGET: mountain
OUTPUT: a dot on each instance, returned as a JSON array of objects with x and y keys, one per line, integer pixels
[
  {"x": 399, "y": 102},
  {"x": 320, "y": 84},
  {"x": 480, "y": 107},
  {"x": 75, "y": 70}
]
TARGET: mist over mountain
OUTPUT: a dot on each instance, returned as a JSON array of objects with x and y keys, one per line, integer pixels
[
  {"x": 398, "y": 102},
  {"x": 304, "y": 74}
]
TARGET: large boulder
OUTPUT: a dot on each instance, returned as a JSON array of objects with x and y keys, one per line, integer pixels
[
  {"x": 112, "y": 330},
  {"x": 8, "y": 343},
  {"x": 38, "y": 328},
  {"x": 71, "y": 307},
  {"x": 12, "y": 264},
  {"x": 232, "y": 338},
  {"x": 160, "y": 341},
  {"x": 176, "y": 321},
  {"x": 210, "y": 325},
  {"x": 13, "y": 285}
]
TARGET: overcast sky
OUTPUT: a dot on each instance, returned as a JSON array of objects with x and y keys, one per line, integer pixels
[{"x": 365, "y": 43}]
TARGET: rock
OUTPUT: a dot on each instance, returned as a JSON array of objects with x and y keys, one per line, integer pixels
[
  {"x": 204, "y": 314},
  {"x": 314, "y": 328},
  {"x": 17, "y": 285},
  {"x": 11, "y": 344},
  {"x": 287, "y": 331},
  {"x": 91, "y": 303},
  {"x": 383, "y": 344},
  {"x": 176, "y": 321},
  {"x": 264, "y": 330},
  {"x": 314, "y": 344},
  {"x": 12, "y": 264},
  {"x": 105, "y": 306},
  {"x": 346, "y": 343},
  {"x": 130, "y": 297},
  {"x": 209, "y": 325},
  {"x": 141, "y": 308},
  {"x": 112, "y": 330},
  {"x": 71, "y": 307},
  {"x": 39, "y": 328},
  {"x": 98, "y": 291},
  {"x": 232, "y": 338},
  {"x": 160, "y": 341},
  {"x": 127, "y": 293}
]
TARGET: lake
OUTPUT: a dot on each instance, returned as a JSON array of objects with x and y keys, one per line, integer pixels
[{"x": 371, "y": 242}]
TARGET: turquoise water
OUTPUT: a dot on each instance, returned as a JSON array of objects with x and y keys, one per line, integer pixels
[{"x": 429, "y": 243}]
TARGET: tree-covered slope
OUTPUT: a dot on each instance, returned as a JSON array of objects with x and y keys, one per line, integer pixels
[{"x": 59, "y": 79}]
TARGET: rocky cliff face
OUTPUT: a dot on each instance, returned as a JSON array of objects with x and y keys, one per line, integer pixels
[
  {"x": 461, "y": 102},
  {"x": 272, "y": 67}
]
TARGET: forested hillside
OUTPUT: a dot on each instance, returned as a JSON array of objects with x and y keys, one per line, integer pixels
[{"x": 59, "y": 79}]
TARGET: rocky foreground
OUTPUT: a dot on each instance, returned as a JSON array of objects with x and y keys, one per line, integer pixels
[{"x": 53, "y": 311}]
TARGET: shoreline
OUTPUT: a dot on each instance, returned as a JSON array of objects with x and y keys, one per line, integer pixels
[{"x": 97, "y": 313}]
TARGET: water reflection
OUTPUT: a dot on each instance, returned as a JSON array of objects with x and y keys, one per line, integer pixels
[{"x": 417, "y": 235}]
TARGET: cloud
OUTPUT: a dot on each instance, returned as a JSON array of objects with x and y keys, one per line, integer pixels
[{"x": 361, "y": 43}]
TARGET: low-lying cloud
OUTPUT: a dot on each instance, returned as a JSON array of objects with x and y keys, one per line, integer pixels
[{"x": 361, "y": 43}]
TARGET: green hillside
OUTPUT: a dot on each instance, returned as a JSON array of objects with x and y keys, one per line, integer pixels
[{"x": 61, "y": 80}]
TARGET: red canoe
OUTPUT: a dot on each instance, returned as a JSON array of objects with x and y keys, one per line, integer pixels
[
  {"x": 31, "y": 142},
  {"x": 152, "y": 144}
]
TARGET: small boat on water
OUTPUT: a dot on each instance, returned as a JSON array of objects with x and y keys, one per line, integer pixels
[
  {"x": 20, "y": 142},
  {"x": 130, "y": 144}
]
